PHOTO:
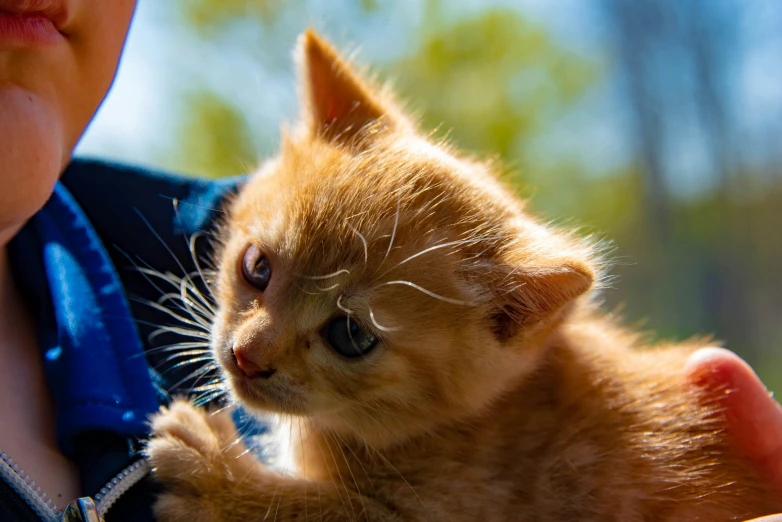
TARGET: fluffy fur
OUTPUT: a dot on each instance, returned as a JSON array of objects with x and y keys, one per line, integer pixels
[{"x": 497, "y": 391}]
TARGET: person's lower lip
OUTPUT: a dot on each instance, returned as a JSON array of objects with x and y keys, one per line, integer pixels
[{"x": 26, "y": 30}]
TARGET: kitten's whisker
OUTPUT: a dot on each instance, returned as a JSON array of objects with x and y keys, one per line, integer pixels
[
  {"x": 160, "y": 239},
  {"x": 209, "y": 370},
  {"x": 328, "y": 288},
  {"x": 173, "y": 348},
  {"x": 303, "y": 463},
  {"x": 429, "y": 293},
  {"x": 199, "y": 372},
  {"x": 193, "y": 360},
  {"x": 393, "y": 231},
  {"x": 200, "y": 321},
  {"x": 386, "y": 461},
  {"x": 459, "y": 242},
  {"x": 363, "y": 241},
  {"x": 358, "y": 406},
  {"x": 176, "y": 202},
  {"x": 191, "y": 243},
  {"x": 220, "y": 410},
  {"x": 209, "y": 387},
  {"x": 196, "y": 334},
  {"x": 348, "y": 311},
  {"x": 347, "y": 503},
  {"x": 186, "y": 353},
  {"x": 141, "y": 270},
  {"x": 378, "y": 326},
  {"x": 328, "y": 468},
  {"x": 179, "y": 346},
  {"x": 169, "y": 312},
  {"x": 201, "y": 401},
  {"x": 207, "y": 277},
  {"x": 358, "y": 460},
  {"x": 198, "y": 311},
  {"x": 327, "y": 276},
  {"x": 179, "y": 283}
]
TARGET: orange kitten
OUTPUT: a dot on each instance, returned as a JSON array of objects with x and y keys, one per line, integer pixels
[{"x": 432, "y": 349}]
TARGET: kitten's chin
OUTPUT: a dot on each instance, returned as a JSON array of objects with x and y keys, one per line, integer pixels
[{"x": 265, "y": 399}]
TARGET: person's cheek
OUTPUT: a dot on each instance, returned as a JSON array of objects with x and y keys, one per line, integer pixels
[{"x": 96, "y": 46}]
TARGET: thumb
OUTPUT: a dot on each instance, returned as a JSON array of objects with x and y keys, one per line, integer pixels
[{"x": 754, "y": 418}]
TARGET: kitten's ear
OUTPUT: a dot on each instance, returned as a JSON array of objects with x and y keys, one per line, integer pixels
[
  {"x": 527, "y": 294},
  {"x": 337, "y": 104}
]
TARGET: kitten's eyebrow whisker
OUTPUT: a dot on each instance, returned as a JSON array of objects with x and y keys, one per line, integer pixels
[
  {"x": 327, "y": 276},
  {"x": 305, "y": 290},
  {"x": 329, "y": 288},
  {"x": 363, "y": 240},
  {"x": 428, "y": 292},
  {"x": 348, "y": 311},
  {"x": 379, "y": 327},
  {"x": 393, "y": 232},
  {"x": 458, "y": 242}
]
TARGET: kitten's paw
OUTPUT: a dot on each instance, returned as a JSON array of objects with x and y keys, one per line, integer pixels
[{"x": 192, "y": 450}]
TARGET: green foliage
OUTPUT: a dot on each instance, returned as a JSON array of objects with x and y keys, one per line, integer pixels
[
  {"x": 211, "y": 16},
  {"x": 495, "y": 80},
  {"x": 215, "y": 139}
]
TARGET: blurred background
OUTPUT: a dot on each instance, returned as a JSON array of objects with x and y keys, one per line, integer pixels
[{"x": 654, "y": 123}]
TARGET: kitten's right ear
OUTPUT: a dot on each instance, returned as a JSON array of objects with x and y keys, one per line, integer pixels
[{"x": 337, "y": 105}]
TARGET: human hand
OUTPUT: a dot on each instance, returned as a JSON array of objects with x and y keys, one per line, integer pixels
[{"x": 753, "y": 417}]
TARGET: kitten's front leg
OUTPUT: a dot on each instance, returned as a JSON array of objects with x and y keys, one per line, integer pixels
[{"x": 209, "y": 477}]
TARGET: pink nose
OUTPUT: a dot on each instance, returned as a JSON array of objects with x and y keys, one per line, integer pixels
[{"x": 248, "y": 367}]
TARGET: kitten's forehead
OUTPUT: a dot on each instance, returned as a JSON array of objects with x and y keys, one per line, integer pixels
[{"x": 330, "y": 215}]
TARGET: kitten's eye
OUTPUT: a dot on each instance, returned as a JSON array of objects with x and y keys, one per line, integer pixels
[
  {"x": 347, "y": 338},
  {"x": 255, "y": 268}
]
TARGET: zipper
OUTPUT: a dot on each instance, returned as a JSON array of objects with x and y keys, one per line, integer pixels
[
  {"x": 82, "y": 509},
  {"x": 123, "y": 481},
  {"x": 26, "y": 488}
]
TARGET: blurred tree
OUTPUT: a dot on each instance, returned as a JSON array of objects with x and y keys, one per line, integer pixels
[
  {"x": 493, "y": 80},
  {"x": 214, "y": 140},
  {"x": 211, "y": 16}
]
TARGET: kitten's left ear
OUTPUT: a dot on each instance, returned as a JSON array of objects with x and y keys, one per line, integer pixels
[
  {"x": 530, "y": 285},
  {"x": 337, "y": 104}
]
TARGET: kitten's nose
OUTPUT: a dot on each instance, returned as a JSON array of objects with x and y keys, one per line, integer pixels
[{"x": 249, "y": 368}]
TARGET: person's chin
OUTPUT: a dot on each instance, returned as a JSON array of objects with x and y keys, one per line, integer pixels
[{"x": 32, "y": 152}]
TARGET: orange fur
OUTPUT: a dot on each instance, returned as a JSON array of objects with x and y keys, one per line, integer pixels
[{"x": 497, "y": 391}]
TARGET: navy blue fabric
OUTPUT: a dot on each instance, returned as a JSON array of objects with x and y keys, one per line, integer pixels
[
  {"x": 93, "y": 356},
  {"x": 74, "y": 264}
]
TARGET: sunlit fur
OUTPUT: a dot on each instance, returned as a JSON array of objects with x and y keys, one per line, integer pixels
[{"x": 497, "y": 390}]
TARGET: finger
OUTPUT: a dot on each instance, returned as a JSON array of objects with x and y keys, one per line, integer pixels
[{"x": 754, "y": 418}]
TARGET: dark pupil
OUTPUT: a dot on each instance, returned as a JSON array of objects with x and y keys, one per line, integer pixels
[
  {"x": 255, "y": 268},
  {"x": 348, "y": 339}
]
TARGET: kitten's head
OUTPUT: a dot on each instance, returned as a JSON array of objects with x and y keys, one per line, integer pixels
[{"x": 372, "y": 279}]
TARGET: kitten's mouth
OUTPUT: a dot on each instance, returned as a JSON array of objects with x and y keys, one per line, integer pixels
[{"x": 266, "y": 397}]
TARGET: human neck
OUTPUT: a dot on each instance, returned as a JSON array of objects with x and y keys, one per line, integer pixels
[{"x": 27, "y": 432}]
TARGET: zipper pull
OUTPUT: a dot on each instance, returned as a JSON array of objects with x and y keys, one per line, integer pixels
[{"x": 81, "y": 510}]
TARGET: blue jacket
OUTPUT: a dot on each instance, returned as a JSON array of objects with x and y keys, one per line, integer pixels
[{"x": 74, "y": 262}]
